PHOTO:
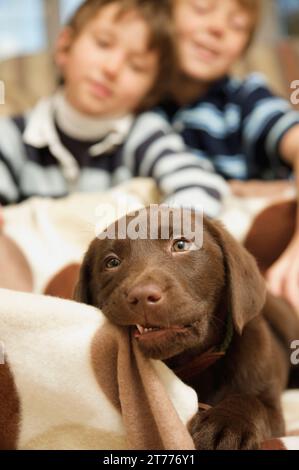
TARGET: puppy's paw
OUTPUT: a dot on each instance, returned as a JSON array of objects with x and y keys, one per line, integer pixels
[{"x": 220, "y": 429}]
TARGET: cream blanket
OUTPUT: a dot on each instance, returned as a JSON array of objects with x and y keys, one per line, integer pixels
[
  {"x": 71, "y": 380},
  {"x": 54, "y": 234}
]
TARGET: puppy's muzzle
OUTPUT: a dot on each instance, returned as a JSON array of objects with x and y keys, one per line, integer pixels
[{"x": 146, "y": 297}]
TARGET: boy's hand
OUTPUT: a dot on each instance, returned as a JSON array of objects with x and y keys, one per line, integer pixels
[{"x": 283, "y": 276}]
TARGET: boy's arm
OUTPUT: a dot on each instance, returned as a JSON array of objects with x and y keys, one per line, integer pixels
[
  {"x": 283, "y": 276},
  {"x": 161, "y": 154},
  {"x": 266, "y": 120},
  {"x": 270, "y": 138}
]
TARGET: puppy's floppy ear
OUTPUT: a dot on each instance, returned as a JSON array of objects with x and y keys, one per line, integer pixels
[
  {"x": 82, "y": 291},
  {"x": 246, "y": 287}
]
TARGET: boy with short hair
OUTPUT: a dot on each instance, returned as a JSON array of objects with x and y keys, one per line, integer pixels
[
  {"x": 115, "y": 57},
  {"x": 238, "y": 126}
]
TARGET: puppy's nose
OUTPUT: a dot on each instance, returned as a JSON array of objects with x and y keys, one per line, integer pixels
[{"x": 147, "y": 295}]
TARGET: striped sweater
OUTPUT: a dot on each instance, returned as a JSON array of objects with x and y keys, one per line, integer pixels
[
  {"x": 35, "y": 161},
  {"x": 237, "y": 126}
]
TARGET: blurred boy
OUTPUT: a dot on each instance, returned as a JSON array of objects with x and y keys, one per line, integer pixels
[
  {"x": 240, "y": 127},
  {"x": 115, "y": 57}
]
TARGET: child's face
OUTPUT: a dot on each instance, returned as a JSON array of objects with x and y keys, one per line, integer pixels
[
  {"x": 212, "y": 34},
  {"x": 108, "y": 69}
]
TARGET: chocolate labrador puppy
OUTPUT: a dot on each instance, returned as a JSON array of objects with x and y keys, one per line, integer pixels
[{"x": 205, "y": 313}]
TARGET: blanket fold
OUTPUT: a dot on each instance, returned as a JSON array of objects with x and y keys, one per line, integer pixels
[{"x": 148, "y": 407}]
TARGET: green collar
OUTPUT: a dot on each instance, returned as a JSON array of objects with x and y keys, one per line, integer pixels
[{"x": 228, "y": 336}]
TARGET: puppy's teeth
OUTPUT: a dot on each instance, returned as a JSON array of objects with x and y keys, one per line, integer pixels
[{"x": 140, "y": 329}]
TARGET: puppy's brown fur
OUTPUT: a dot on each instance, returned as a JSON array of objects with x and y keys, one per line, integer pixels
[{"x": 188, "y": 297}]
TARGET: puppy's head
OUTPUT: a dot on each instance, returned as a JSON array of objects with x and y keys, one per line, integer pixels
[{"x": 168, "y": 290}]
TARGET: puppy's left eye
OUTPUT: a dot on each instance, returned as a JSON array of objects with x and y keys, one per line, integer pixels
[
  {"x": 181, "y": 245},
  {"x": 112, "y": 263}
]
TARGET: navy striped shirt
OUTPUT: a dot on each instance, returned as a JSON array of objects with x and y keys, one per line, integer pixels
[
  {"x": 237, "y": 126},
  {"x": 36, "y": 159}
]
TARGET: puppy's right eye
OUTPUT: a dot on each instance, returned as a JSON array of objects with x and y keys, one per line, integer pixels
[
  {"x": 181, "y": 245},
  {"x": 112, "y": 263}
]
